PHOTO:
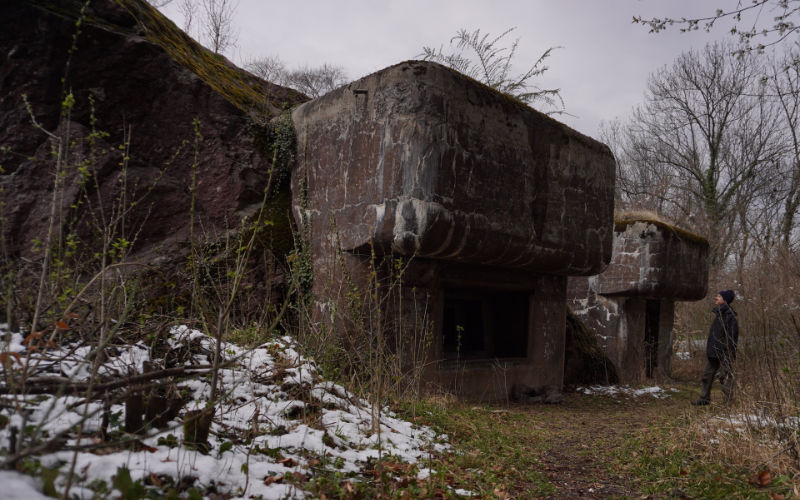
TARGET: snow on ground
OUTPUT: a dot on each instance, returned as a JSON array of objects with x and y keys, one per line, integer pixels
[
  {"x": 741, "y": 422},
  {"x": 624, "y": 390},
  {"x": 276, "y": 417},
  {"x": 18, "y": 486}
]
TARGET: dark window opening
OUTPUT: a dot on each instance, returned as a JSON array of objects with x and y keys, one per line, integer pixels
[
  {"x": 479, "y": 324},
  {"x": 651, "y": 327}
]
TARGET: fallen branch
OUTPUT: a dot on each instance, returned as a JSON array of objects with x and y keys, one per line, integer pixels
[{"x": 63, "y": 385}]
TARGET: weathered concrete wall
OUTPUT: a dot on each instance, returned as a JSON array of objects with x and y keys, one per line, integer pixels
[
  {"x": 483, "y": 192},
  {"x": 653, "y": 264},
  {"x": 418, "y": 160},
  {"x": 539, "y": 365},
  {"x": 656, "y": 260},
  {"x": 666, "y": 336}
]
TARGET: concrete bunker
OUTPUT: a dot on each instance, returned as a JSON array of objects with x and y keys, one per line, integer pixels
[
  {"x": 631, "y": 305},
  {"x": 488, "y": 204}
]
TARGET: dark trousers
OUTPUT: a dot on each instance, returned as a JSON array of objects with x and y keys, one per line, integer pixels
[{"x": 715, "y": 366}]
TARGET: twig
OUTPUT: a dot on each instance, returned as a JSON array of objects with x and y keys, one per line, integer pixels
[{"x": 44, "y": 385}]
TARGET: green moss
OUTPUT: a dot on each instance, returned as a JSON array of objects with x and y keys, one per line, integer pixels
[
  {"x": 260, "y": 99},
  {"x": 278, "y": 236},
  {"x": 622, "y": 222},
  {"x": 245, "y": 91},
  {"x": 277, "y": 140}
]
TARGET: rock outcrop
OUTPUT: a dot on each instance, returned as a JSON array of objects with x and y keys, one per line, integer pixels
[{"x": 142, "y": 112}]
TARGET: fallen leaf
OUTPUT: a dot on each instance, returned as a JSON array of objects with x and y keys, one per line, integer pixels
[
  {"x": 272, "y": 479},
  {"x": 157, "y": 482},
  {"x": 61, "y": 325},
  {"x": 777, "y": 496},
  {"x": 288, "y": 462},
  {"x": 763, "y": 478},
  {"x": 500, "y": 494},
  {"x": 4, "y": 357},
  {"x": 31, "y": 337}
]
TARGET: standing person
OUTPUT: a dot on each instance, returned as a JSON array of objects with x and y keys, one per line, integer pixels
[{"x": 720, "y": 347}]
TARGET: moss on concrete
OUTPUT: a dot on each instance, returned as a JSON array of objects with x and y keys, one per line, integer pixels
[{"x": 622, "y": 221}]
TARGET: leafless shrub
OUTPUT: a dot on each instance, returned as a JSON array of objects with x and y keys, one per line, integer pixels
[
  {"x": 485, "y": 58},
  {"x": 311, "y": 81},
  {"x": 217, "y": 27},
  {"x": 362, "y": 335},
  {"x": 762, "y": 424}
]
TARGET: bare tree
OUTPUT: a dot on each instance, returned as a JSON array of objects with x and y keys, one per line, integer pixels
[
  {"x": 218, "y": 29},
  {"x": 748, "y": 22},
  {"x": 188, "y": 9},
  {"x": 708, "y": 128},
  {"x": 638, "y": 186},
  {"x": 270, "y": 68},
  {"x": 784, "y": 82},
  {"x": 484, "y": 58},
  {"x": 318, "y": 81},
  {"x": 311, "y": 81}
]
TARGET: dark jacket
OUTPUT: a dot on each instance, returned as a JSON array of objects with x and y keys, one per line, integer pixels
[{"x": 723, "y": 336}]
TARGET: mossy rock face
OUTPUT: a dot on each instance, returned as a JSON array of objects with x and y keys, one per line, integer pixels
[
  {"x": 251, "y": 94},
  {"x": 186, "y": 114},
  {"x": 585, "y": 363},
  {"x": 246, "y": 91},
  {"x": 193, "y": 132}
]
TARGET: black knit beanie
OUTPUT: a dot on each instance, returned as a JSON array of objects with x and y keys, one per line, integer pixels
[{"x": 727, "y": 295}]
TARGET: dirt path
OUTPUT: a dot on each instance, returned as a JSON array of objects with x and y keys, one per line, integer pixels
[{"x": 583, "y": 436}]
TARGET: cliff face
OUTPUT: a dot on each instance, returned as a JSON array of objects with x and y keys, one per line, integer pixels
[{"x": 130, "y": 111}]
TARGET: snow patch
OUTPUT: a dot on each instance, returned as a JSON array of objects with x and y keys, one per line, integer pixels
[
  {"x": 623, "y": 390},
  {"x": 272, "y": 393}
]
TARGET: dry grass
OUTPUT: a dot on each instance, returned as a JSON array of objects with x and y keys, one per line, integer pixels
[
  {"x": 737, "y": 436},
  {"x": 760, "y": 430}
]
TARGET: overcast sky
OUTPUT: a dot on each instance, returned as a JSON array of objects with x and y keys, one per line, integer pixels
[{"x": 601, "y": 67}]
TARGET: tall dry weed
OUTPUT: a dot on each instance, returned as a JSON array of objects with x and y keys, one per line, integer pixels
[{"x": 760, "y": 428}]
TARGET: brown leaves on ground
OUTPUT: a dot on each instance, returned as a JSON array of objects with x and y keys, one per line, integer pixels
[
  {"x": 7, "y": 357},
  {"x": 273, "y": 479},
  {"x": 762, "y": 479},
  {"x": 34, "y": 341}
]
